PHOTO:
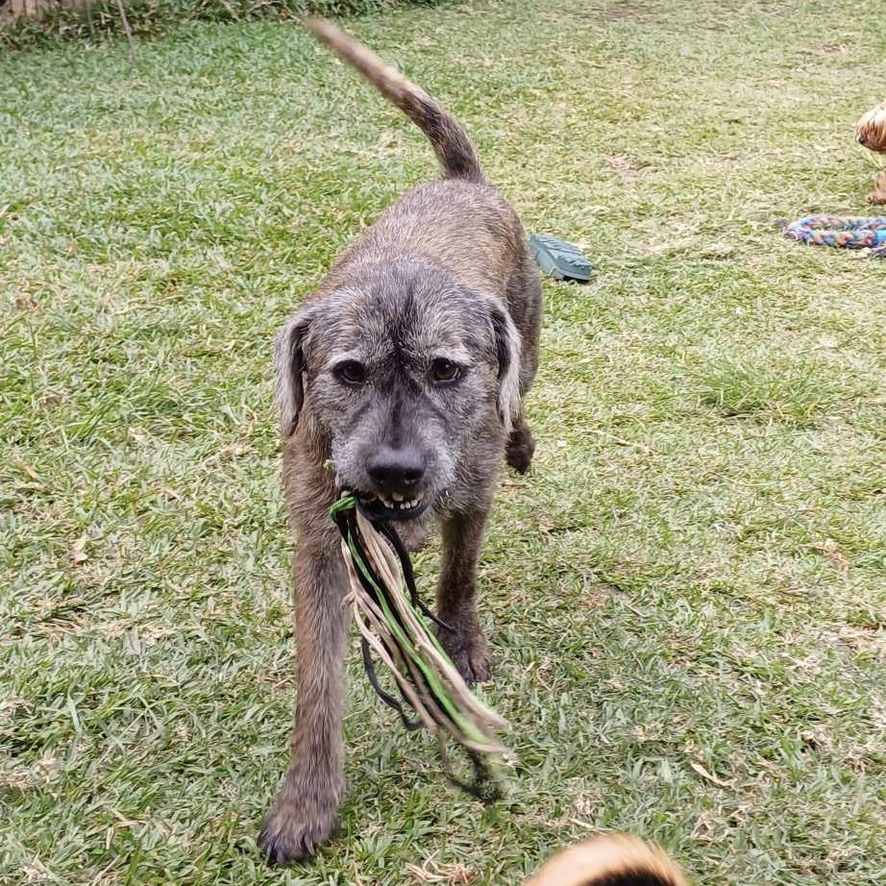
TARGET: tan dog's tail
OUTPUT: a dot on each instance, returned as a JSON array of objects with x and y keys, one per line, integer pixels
[
  {"x": 612, "y": 860},
  {"x": 451, "y": 143}
]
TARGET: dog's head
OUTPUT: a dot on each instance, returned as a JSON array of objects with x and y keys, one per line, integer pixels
[{"x": 403, "y": 373}]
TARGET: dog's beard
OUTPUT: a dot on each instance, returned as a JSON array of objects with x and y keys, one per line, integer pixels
[{"x": 352, "y": 454}]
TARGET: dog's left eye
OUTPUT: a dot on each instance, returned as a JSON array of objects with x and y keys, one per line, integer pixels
[{"x": 443, "y": 371}]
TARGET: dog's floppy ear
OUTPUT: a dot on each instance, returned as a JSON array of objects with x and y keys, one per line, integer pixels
[
  {"x": 289, "y": 359},
  {"x": 508, "y": 349}
]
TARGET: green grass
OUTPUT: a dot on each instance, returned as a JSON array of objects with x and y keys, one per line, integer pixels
[
  {"x": 693, "y": 574},
  {"x": 93, "y": 21}
]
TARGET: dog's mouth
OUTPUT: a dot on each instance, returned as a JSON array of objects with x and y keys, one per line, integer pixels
[{"x": 392, "y": 507}]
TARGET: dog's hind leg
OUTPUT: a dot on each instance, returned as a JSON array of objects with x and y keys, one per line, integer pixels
[
  {"x": 521, "y": 446},
  {"x": 306, "y": 809},
  {"x": 524, "y": 293},
  {"x": 462, "y": 535}
]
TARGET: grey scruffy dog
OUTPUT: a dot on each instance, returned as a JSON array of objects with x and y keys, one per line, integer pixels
[{"x": 405, "y": 371}]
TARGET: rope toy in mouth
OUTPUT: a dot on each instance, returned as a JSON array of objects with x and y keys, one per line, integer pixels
[
  {"x": 394, "y": 627},
  {"x": 832, "y": 230}
]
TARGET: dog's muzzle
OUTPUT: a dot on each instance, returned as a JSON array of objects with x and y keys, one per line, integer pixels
[{"x": 397, "y": 476}]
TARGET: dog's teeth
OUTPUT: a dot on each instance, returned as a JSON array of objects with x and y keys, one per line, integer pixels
[{"x": 397, "y": 496}]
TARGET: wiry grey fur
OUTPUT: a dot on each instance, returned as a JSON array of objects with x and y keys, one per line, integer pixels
[{"x": 443, "y": 275}]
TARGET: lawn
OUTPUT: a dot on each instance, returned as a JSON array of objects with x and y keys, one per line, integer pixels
[{"x": 687, "y": 595}]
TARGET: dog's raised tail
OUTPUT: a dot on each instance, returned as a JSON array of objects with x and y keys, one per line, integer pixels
[
  {"x": 450, "y": 141},
  {"x": 610, "y": 860}
]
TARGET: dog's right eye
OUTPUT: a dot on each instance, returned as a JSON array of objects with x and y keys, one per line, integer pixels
[{"x": 351, "y": 372}]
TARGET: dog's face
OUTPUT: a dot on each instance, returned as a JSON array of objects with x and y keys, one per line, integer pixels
[{"x": 401, "y": 373}]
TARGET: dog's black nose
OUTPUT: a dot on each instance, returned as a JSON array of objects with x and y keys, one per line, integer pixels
[{"x": 396, "y": 470}]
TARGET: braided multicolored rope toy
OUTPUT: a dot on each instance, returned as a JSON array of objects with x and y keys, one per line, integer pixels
[
  {"x": 394, "y": 626},
  {"x": 833, "y": 230}
]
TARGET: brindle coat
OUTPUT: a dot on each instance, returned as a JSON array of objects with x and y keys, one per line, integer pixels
[{"x": 405, "y": 370}]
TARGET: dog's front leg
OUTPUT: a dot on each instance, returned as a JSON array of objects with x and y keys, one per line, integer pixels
[
  {"x": 306, "y": 809},
  {"x": 462, "y": 535}
]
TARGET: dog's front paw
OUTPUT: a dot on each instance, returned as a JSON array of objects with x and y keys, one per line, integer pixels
[
  {"x": 469, "y": 654},
  {"x": 294, "y": 828}
]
